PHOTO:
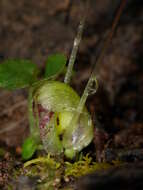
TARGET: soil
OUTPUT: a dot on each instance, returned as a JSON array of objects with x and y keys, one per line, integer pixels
[{"x": 36, "y": 29}]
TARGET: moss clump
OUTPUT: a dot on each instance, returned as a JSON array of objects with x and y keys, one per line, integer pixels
[
  {"x": 51, "y": 174},
  {"x": 83, "y": 167},
  {"x": 45, "y": 160},
  {"x": 48, "y": 171}
]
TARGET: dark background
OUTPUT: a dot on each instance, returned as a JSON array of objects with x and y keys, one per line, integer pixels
[{"x": 35, "y": 29}]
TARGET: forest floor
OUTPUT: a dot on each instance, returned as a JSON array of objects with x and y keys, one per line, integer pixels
[{"x": 36, "y": 29}]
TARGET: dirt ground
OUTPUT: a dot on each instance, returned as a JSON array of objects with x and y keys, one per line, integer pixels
[{"x": 35, "y": 29}]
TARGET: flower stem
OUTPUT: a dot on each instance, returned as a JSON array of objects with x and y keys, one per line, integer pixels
[
  {"x": 74, "y": 52},
  {"x": 92, "y": 78},
  {"x": 34, "y": 130}
]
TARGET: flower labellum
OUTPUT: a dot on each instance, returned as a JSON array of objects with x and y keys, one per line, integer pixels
[{"x": 54, "y": 105}]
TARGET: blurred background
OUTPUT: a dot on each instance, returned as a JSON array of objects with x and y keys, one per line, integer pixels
[{"x": 35, "y": 29}]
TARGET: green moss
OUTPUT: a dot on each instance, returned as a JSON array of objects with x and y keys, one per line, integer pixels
[
  {"x": 47, "y": 169},
  {"x": 51, "y": 173},
  {"x": 83, "y": 167},
  {"x": 46, "y": 160}
]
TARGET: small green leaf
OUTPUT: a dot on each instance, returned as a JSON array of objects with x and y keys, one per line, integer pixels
[
  {"x": 54, "y": 65},
  {"x": 17, "y": 73},
  {"x": 28, "y": 148}
]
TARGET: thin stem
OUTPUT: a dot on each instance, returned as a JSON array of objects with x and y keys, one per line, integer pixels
[
  {"x": 83, "y": 99},
  {"x": 92, "y": 78},
  {"x": 110, "y": 35},
  {"x": 33, "y": 121},
  {"x": 30, "y": 111},
  {"x": 100, "y": 58},
  {"x": 74, "y": 52}
]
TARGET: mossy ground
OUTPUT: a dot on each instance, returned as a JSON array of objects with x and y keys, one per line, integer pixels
[{"x": 51, "y": 174}]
